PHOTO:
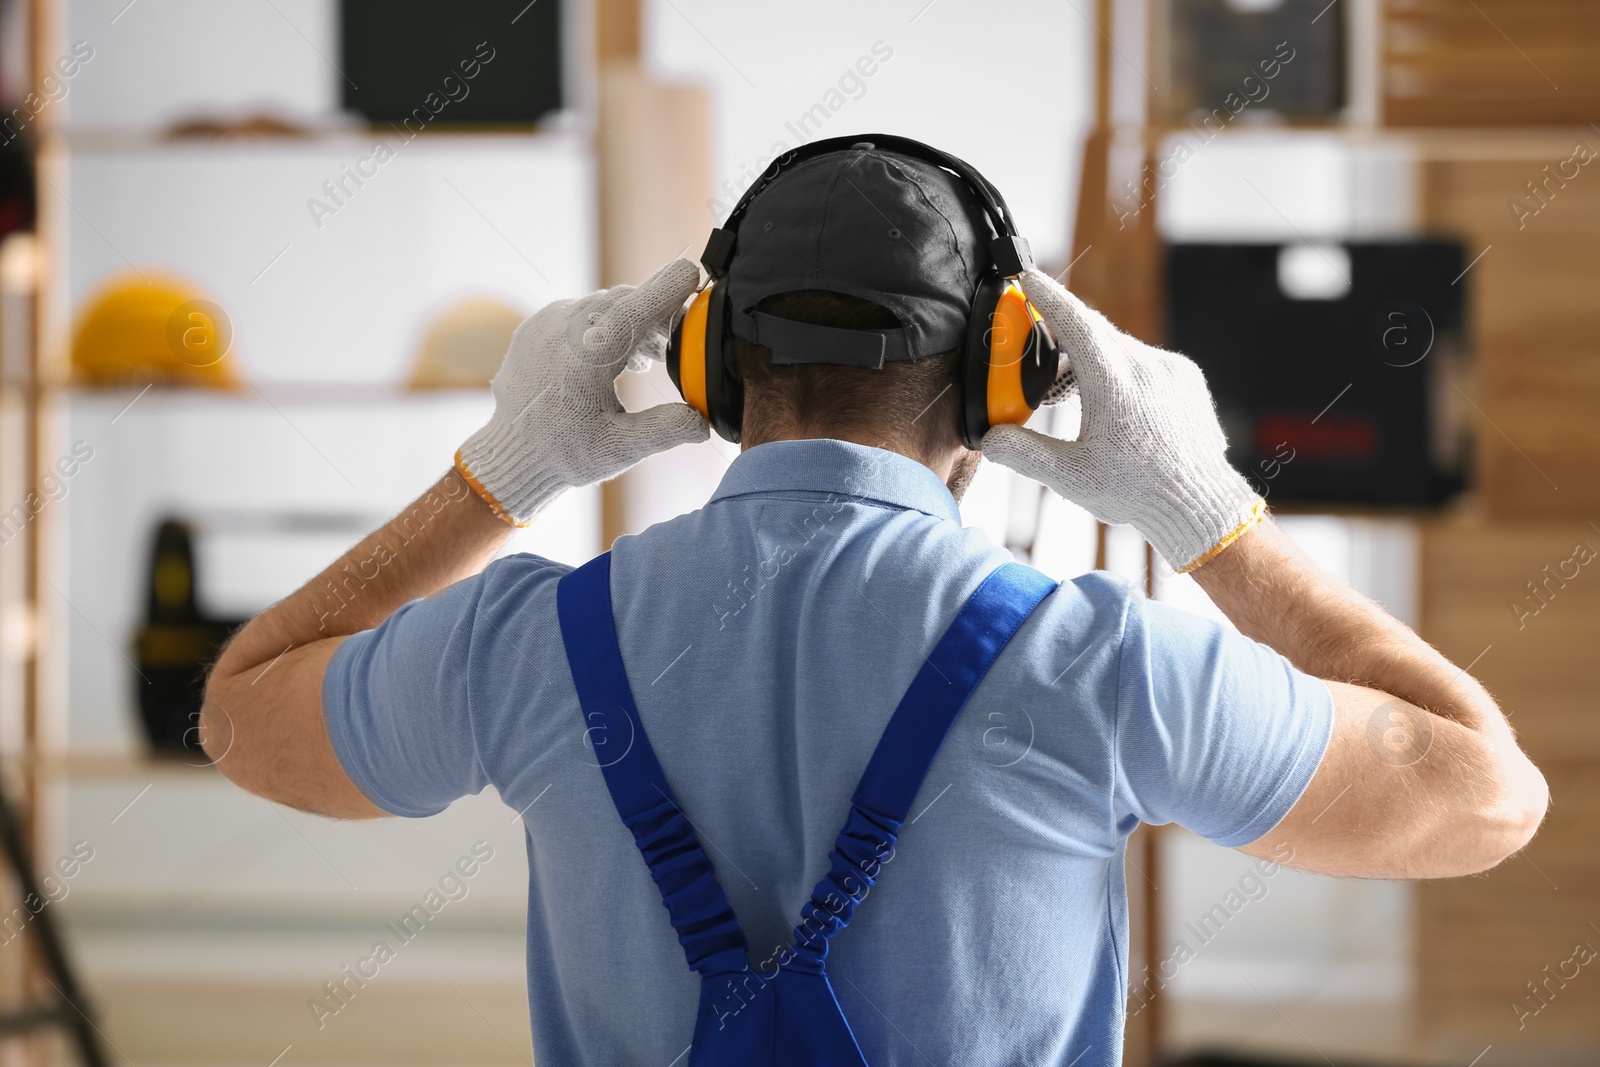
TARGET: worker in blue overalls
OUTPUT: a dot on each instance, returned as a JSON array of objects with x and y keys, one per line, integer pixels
[{"x": 881, "y": 776}]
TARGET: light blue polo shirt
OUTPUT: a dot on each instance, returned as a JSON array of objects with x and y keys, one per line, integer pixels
[{"x": 768, "y": 637}]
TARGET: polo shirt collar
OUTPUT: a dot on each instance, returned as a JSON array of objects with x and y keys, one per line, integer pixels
[{"x": 826, "y": 465}]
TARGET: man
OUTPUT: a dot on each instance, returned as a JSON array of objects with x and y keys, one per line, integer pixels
[{"x": 768, "y": 636}]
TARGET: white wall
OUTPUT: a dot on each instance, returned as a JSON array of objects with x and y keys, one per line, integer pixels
[
  {"x": 1005, "y": 88},
  {"x": 159, "y": 60}
]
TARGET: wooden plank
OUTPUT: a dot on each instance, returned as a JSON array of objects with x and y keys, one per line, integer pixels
[
  {"x": 1491, "y": 62},
  {"x": 617, "y": 30},
  {"x": 1539, "y": 199},
  {"x": 1528, "y": 212},
  {"x": 655, "y": 172},
  {"x": 1480, "y": 940},
  {"x": 654, "y": 150}
]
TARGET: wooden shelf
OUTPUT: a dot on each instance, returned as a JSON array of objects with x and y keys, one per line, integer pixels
[
  {"x": 332, "y": 394},
  {"x": 93, "y": 141},
  {"x": 109, "y": 765}
]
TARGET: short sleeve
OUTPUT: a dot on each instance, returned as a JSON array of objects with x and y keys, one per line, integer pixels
[
  {"x": 1215, "y": 731},
  {"x": 395, "y": 703}
]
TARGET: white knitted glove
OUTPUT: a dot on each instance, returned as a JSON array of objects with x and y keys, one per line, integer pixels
[
  {"x": 1150, "y": 453},
  {"x": 558, "y": 422}
]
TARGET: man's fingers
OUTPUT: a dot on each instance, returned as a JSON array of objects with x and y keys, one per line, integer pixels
[
  {"x": 1060, "y": 305},
  {"x": 660, "y": 428},
  {"x": 653, "y": 346},
  {"x": 611, "y": 331},
  {"x": 662, "y": 294},
  {"x": 1086, "y": 336},
  {"x": 1034, "y": 455}
]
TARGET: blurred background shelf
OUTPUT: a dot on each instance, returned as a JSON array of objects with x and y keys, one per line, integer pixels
[
  {"x": 275, "y": 484},
  {"x": 118, "y": 766}
]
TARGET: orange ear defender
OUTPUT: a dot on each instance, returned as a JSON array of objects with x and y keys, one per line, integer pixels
[
  {"x": 1009, "y": 361},
  {"x": 690, "y": 332},
  {"x": 700, "y": 362}
]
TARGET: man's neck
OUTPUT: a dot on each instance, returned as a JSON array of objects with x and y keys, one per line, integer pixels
[{"x": 953, "y": 466}]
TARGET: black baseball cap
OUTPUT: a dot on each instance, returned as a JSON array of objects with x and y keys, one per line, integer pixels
[{"x": 871, "y": 223}]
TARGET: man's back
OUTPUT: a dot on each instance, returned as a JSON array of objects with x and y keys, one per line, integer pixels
[{"x": 767, "y": 638}]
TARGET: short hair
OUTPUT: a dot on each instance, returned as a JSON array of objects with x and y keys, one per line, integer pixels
[{"x": 915, "y": 402}]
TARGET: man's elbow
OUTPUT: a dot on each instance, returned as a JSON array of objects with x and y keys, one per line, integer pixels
[
  {"x": 1509, "y": 825},
  {"x": 1529, "y": 803},
  {"x": 218, "y": 732},
  {"x": 225, "y": 728}
]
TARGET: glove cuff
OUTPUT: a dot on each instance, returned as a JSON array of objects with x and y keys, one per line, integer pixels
[
  {"x": 1200, "y": 523},
  {"x": 1256, "y": 512},
  {"x": 493, "y": 463}
]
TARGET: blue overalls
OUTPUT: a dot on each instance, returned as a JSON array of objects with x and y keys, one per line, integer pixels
[{"x": 790, "y": 1017}]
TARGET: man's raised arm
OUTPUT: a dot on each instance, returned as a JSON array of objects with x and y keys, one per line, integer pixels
[{"x": 1421, "y": 776}]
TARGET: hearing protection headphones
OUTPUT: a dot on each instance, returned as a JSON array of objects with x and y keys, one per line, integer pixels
[{"x": 1009, "y": 360}]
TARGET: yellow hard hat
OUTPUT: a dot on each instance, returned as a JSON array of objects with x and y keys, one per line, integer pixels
[
  {"x": 147, "y": 328},
  {"x": 463, "y": 347}
]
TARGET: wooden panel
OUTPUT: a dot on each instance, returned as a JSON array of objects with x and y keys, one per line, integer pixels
[
  {"x": 617, "y": 30},
  {"x": 1540, "y": 661},
  {"x": 1481, "y": 940},
  {"x": 655, "y": 172},
  {"x": 1490, "y": 62},
  {"x": 1534, "y": 653},
  {"x": 655, "y": 203},
  {"x": 1531, "y": 211}
]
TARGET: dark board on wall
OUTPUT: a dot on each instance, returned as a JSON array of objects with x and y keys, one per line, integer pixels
[
  {"x": 1288, "y": 58},
  {"x": 1345, "y": 400},
  {"x": 423, "y": 64}
]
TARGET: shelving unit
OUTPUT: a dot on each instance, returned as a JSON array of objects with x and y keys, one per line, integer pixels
[
  {"x": 325, "y": 319},
  {"x": 1468, "y": 96}
]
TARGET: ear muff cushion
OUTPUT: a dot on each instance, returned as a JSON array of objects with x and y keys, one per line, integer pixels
[
  {"x": 686, "y": 358},
  {"x": 675, "y": 348},
  {"x": 975, "y": 361},
  {"x": 724, "y": 389}
]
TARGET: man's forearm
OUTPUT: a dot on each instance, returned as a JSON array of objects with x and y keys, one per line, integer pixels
[
  {"x": 270, "y": 738},
  {"x": 1273, "y": 592},
  {"x": 445, "y": 535}
]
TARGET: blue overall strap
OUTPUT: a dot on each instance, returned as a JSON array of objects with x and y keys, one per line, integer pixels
[
  {"x": 711, "y": 938},
  {"x": 790, "y": 1017}
]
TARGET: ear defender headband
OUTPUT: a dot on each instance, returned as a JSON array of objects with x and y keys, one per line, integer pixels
[{"x": 1009, "y": 360}]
